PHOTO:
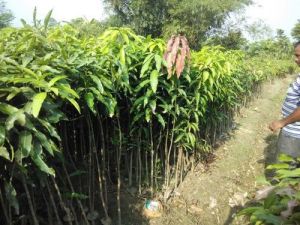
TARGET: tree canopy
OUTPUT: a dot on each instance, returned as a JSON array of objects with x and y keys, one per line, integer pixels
[
  {"x": 296, "y": 31},
  {"x": 194, "y": 18},
  {"x": 6, "y": 15}
]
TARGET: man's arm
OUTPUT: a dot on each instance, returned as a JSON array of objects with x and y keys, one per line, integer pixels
[{"x": 278, "y": 124}]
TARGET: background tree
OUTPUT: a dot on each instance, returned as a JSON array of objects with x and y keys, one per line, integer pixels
[
  {"x": 283, "y": 44},
  {"x": 296, "y": 31},
  {"x": 6, "y": 15},
  {"x": 258, "y": 31},
  {"x": 197, "y": 18},
  {"x": 88, "y": 28},
  {"x": 231, "y": 40},
  {"x": 144, "y": 16},
  {"x": 230, "y": 35},
  {"x": 194, "y": 18}
]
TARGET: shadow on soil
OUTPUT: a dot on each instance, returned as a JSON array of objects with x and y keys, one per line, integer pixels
[
  {"x": 270, "y": 154},
  {"x": 131, "y": 210},
  {"x": 269, "y": 158}
]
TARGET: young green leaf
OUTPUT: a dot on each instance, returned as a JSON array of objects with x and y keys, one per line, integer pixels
[
  {"x": 18, "y": 116},
  {"x": 25, "y": 142},
  {"x": 4, "y": 153},
  {"x": 47, "y": 19},
  {"x": 7, "y": 109},
  {"x": 89, "y": 98},
  {"x": 37, "y": 102},
  {"x": 75, "y": 104},
  {"x": 11, "y": 196},
  {"x": 2, "y": 135},
  {"x": 154, "y": 80}
]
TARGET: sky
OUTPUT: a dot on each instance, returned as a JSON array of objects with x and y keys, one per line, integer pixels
[
  {"x": 281, "y": 14},
  {"x": 278, "y": 14},
  {"x": 63, "y": 10}
]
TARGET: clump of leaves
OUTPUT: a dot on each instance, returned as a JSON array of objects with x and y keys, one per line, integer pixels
[
  {"x": 177, "y": 51},
  {"x": 278, "y": 203}
]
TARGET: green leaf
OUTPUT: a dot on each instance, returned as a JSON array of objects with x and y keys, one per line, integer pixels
[
  {"x": 54, "y": 90},
  {"x": 278, "y": 166},
  {"x": 153, "y": 106},
  {"x": 158, "y": 62},
  {"x": 161, "y": 120},
  {"x": 137, "y": 117},
  {"x": 47, "y": 19},
  {"x": 12, "y": 94},
  {"x": 148, "y": 115},
  {"x": 138, "y": 102},
  {"x": 4, "y": 153},
  {"x": 205, "y": 75},
  {"x": 288, "y": 173},
  {"x": 11, "y": 196},
  {"x": 89, "y": 98},
  {"x": 7, "y": 109},
  {"x": 74, "y": 195},
  {"x": 98, "y": 82},
  {"x": 192, "y": 138},
  {"x": 25, "y": 142},
  {"x": 36, "y": 157},
  {"x": 67, "y": 90},
  {"x": 49, "y": 69},
  {"x": 270, "y": 219},
  {"x": 141, "y": 85},
  {"x": 75, "y": 104},
  {"x": 122, "y": 56},
  {"x": 78, "y": 173},
  {"x": 45, "y": 141},
  {"x": 55, "y": 79},
  {"x": 154, "y": 80},
  {"x": 19, "y": 116},
  {"x": 42, "y": 165},
  {"x": 262, "y": 180},
  {"x": 285, "y": 158},
  {"x": 52, "y": 130},
  {"x": 37, "y": 102},
  {"x": 248, "y": 211},
  {"x": 179, "y": 137},
  {"x": 2, "y": 135},
  {"x": 125, "y": 38},
  {"x": 146, "y": 65}
]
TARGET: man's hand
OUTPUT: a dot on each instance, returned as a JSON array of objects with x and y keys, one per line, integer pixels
[{"x": 276, "y": 125}]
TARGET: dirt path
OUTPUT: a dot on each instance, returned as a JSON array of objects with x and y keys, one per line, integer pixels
[{"x": 205, "y": 197}]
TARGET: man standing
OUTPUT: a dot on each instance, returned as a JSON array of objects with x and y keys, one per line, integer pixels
[{"x": 289, "y": 136}]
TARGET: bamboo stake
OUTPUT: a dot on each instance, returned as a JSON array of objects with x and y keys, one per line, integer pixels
[
  {"x": 101, "y": 188},
  {"x": 130, "y": 169},
  {"x": 78, "y": 201},
  {"x": 53, "y": 203},
  {"x": 139, "y": 163},
  {"x": 152, "y": 161},
  {"x": 33, "y": 214},
  {"x": 50, "y": 220},
  {"x": 119, "y": 151},
  {"x": 61, "y": 202},
  {"x": 7, "y": 219}
]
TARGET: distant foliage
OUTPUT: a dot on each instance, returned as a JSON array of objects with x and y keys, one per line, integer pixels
[
  {"x": 162, "y": 18},
  {"x": 6, "y": 16},
  {"x": 296, "y": 31}
]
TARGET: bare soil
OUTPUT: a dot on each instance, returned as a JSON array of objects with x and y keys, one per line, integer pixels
[{"x": 212, "y": 196}]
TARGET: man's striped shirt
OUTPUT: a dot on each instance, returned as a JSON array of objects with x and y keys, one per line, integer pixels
[{"x": 291, "y": 102}]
